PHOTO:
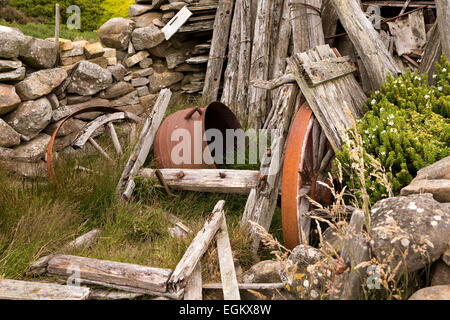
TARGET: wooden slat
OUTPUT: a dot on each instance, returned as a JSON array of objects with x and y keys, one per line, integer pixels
[
  {"x": 193, "y": 290},
  {"x": 176, "y": 22},
  {"x": 106, "y": 272},
  {"x": 195, "y": 251},
  {"x": 322, "y": 71},
  {"x": 443, "y": 18},
  {"x": 100, "y": 150},
  {"x": 207, "y": 180},
  {"x": 432, "y": 53},
  {"x": 247, "y": 286},
  {"x": 227, "y": 271},
  {"x": 24, "y": 290},
  {"x": 113, "y": 134}
]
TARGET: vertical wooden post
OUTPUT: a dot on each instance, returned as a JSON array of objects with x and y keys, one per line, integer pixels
[
  {"x": 443, "y": 18},
  {"x": 57, "y": 17}
]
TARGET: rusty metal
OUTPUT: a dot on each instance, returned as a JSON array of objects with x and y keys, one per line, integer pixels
[
  {"x": 214, "y": 116},
  {"x": 50, "y": 169}
]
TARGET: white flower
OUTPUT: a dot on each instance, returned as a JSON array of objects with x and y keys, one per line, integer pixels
[
  {"x": 444, "y": 70},
  {"x": 391, "y": 116},
  {"x": 381, "y": 109},
  {"x": 391, "y": 123},
  {"x": 373, "y": 102},
  {"x": 306, "y": 284},
  {"x": 427, "y": 97},
  {"x": 440, "y": 88},
  {"x": 383, "y": 153}
]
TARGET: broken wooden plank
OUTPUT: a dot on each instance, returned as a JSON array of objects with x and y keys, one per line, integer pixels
[
  {"x": 82, "y": 241},
  {"x": 109, "y": 273},
  {"x": 318, "y": 72},
  {"x": 195, "y": 251},
  {"x": 443, "y": 18},
  {"x": 25, "y": 290},
  {"x": 207, "y": 180},
  {"x": 409, "y": 33},
  {"x": 432, "y": 53},
  {"x": 219, "y": 43},
  {"x": 115, "y": 139},
  {"x": 176, "y": 22},
  {"x": 142, "y": 148},
  {"x": 274, "y": 83},
  {"x": 227, "y": 271},
  {"x": 398, "y": 4},
  {"x": 193, "y": 289},
  {"x": 97, "y": 294},
  {"x": 374, "y": 54},
  {"x": 247, "y": 286}
]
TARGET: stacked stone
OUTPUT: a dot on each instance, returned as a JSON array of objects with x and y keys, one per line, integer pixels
[
  {"x": 35, "y": 96},
  {"x": 179, "y": 63}
]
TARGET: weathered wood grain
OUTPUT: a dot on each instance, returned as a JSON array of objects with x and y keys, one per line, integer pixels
[
  {"x": 193, "y": 289},
  {"x": 325, "y": 70},
  {"x": 432, "y": 53},
  {"x": 207, "y": 180},
  {"x": 247, "y": 286},
  {"x": 443, "y": 18}
]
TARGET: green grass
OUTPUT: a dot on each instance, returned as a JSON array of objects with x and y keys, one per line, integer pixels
[
  {"x": 43, "y": 31},
  {"x": 36, "y": 220}
]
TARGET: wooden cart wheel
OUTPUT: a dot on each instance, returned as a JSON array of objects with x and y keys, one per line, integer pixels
[
  {"x": 308, "y": 156},
  {"x": 85, "y": 135}
]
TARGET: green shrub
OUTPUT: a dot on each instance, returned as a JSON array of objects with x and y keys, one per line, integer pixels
[
  {"x": 406, "y": 128},
  {"x": 115, "y": 8}
]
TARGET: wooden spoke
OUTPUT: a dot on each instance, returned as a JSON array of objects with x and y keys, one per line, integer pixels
[
  {"x": 100, "y": 150},
  {"x": 115, "y": 139}
]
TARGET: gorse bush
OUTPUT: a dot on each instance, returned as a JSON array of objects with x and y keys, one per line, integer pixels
[{"x": 406, "y": 128}]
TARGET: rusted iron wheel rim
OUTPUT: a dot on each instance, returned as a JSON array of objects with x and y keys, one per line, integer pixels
[{"x": 308, "y": 155}]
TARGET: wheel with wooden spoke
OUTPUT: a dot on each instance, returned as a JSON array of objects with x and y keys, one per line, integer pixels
[
  {"x": 308, "y": 157},
  {"x": 85, "y": 135}
]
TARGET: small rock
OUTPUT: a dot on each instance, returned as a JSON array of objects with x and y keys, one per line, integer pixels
[
  {"x": 131, "y": 61},
  {"x": 109, "y": 52},
  {"x": 438, "y": 170},
  {"x": 147, "y": 37},
  {"x": 64, "y": 111},
  {"x": 138, "y": 9},
  {"x": 89, "y": 78},
  {"x": 136, "y": 109},
  {"x": 128, "y": 99},
  {"x": 159, "y": 81},
  {"x": 146, "y": 19},
  {"x": 74, "y": 99},
  {"x": 26, "y": 169},
  {"x": 9, "y": 99},
  {"x": 131, "y": 49},
  {"x": 11, "y": 40},
  {"x": 175, "y": 59},
  {"x": 142, "y": 73},
  {"x": 116, "y": 33},
  {"x": 31, "y": 117},
  {"x": 416, "y": 223},
  {"x": 70, "y": 61},
  {"x": 33, "y": 150},
  {"x": 148, "y": 101},
  {"x": 71, "y": 125},
  {"x": 446, "y": 255},
  {"x": 440, "y": 188},
  {"x": 118, "y": 71},
  {"x": 76, "y": 51},
  {"x": 432, "y": 293},
  {"x": 39, "y": 53},
  {"x": 40, "y": 83},
  {"x": 8, "y": 65},
  {"x": 100, "y": 61},
  {"x": 111, "y": 61},
  {"x": 263, "y": 272},
  {"x": 8, "y": 136},
  {"x": 142, "y": 91},
  {"x": 53, "y": 99},
  {"x": 15, "y": 75},
  {"x": 138, "y": 82},
  {"x": 118, "y": 89},
  {"x": 145, "y": 63},
  {"x": 93, "y": 50},
  {"x": 440, "y": 273}
]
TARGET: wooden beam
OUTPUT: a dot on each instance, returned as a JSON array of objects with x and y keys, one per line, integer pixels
[
  {"x": 227, "y": 271},
  {"x": 431, "y": 54},
  {"x": 218, "y": 49},
  {"x": 443, "y": 18},
  {"x": 83, "y": 241},
  {"x": 109, "y": 273},
  {"x": 319, "y": 72},
  {"x": 374, "y": 54},
  {"x": 274, "y": 83},
  {"x": 139, "y": 155},
  {"x": 100, "y": 150},
  {"x": 193, "y": 289},
  {"x": 247, "y": 286},
  {"x": 115, "y": 139},
  {"x": 399, "y": 4},
  {"x": 196, "y": 250},
  {"x": 25, "y": 290},
  {"x": 207, "y": 180}
]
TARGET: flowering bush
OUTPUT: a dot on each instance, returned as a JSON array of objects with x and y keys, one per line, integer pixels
[{"x": 406, "y": 128}]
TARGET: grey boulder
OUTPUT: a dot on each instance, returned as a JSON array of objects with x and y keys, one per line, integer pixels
[
  {"x": 39, "y": 54},
  {"x": 40, "y": 83},
  {"x": 116, "y": 33},
  {"x": 9, "y": 99},
  {"x": 11, "y": 41},
  {"x": 88, "y": 79}
]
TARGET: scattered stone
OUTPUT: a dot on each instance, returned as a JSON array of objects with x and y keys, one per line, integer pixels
[
  {"x": 111, "y": 61},
  {"x": 93, "y": 50},
  {"x": 142, "y": 91},
  {"x": 9, "y": 99},
  {"x": 31, "y": 117},
  {"x": 11, "y": 40},
  {"x": 138, "y": 9},
  {"x": 116, "y": 33},
  {"x": 145, "y": 63},
  {"x": 142, "y": 73},
  {"x": 432, "y": 293},
  {"x": 8, "y": 136},
  {"x": 15, "y": 75},
  {"x": 440, "y": 273},
  {"x": 131, "y": 49},
  {"x": 159, "y": 81},
  {"x": 118, "y": 89},
  {"x": 39, "y": 53},
  {"x": 440, "y": 188},
  {"x": 416, "y": 223},
  {"x": 146, "y": 19},
  {"x": 100, "y": 61},
  {"x": 40, "y": 83},
  {"x": 70, "y": 61},
  {"x": 89, "y": 78},
  {"x": 184, "y": 67},
  {"x": 158, "y": 22},
  {"x": 173, "y": 6},
  {"x": 138, "y": 82},
  {"x": 167, "y": 16},
  {"x": 8, "y": 65},
  {"x": 141, "y": 55},
  {"x": 263, "y": 272},
  {"x": 159, "y": 67},
  {"x": 109, "y": 52},
  {"x": 33, "y": 150},
  {"x": 77, "y": 49},
  {"x": 136, "y": 109},
  {"x": 147, "y": 37},
  {"x": 175, "y": 59},
  {"x": 118, "y": 71}
]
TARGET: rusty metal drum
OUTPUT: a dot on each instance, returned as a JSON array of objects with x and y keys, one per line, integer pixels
[{"x": 171, "y": 150}]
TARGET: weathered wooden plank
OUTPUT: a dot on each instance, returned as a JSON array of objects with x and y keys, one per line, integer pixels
[
  {"x": 409, "y": 33},
  {"x": 207, "y": 180},
  {"x": 443, "y": 18},
  {"x": 318, "y": 72},
  {"x": 374, "y": 54},
  {"x": 115, "y": 139},
  {"x": 432, "y": 53},
  {"x": 329, "y": 20},
  {"x": 83, "y": 241},
  {"x": 97, "y": 294},
  {"x": 197, "y": 26},
  {"x": 142, "y": 148},
  {"x": 195, "y": 251},
  {"x": 25, "y": 290},
  {"x": 110, "y": 272},
  {"x": 227, "y": 271},
  {"x": 219, "y": 43},
  {"x": 274, "y": 83},
  {"x": 247, "y": 286},
  {"x": 399, "y": 4},
  {"x": 176, "y": 22},
  {"x": 193, "y": 289}
]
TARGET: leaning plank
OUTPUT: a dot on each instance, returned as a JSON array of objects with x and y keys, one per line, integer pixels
[
  {"x": 218, "y": 49},
  {"x": 432, "y": 53},
  {"x": 193, "y": 290},
  {"x": 24, "y": 290},
  {"x": 374, "y": 54},
  {"x": 247, "y": 286},
  {"x": 90, "y": 128},
  {"x": 115, "y": 139},
  {"x": 227, "y": 271},
  {"x": 207, "y": 180},
  {"x": 147, "y": 279},
  {"x": 443, "y": 18},
  {"x": 195, "y": 251},
  {"x": 142, "y": 148},
  {"x": 176, "y": 22}
]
